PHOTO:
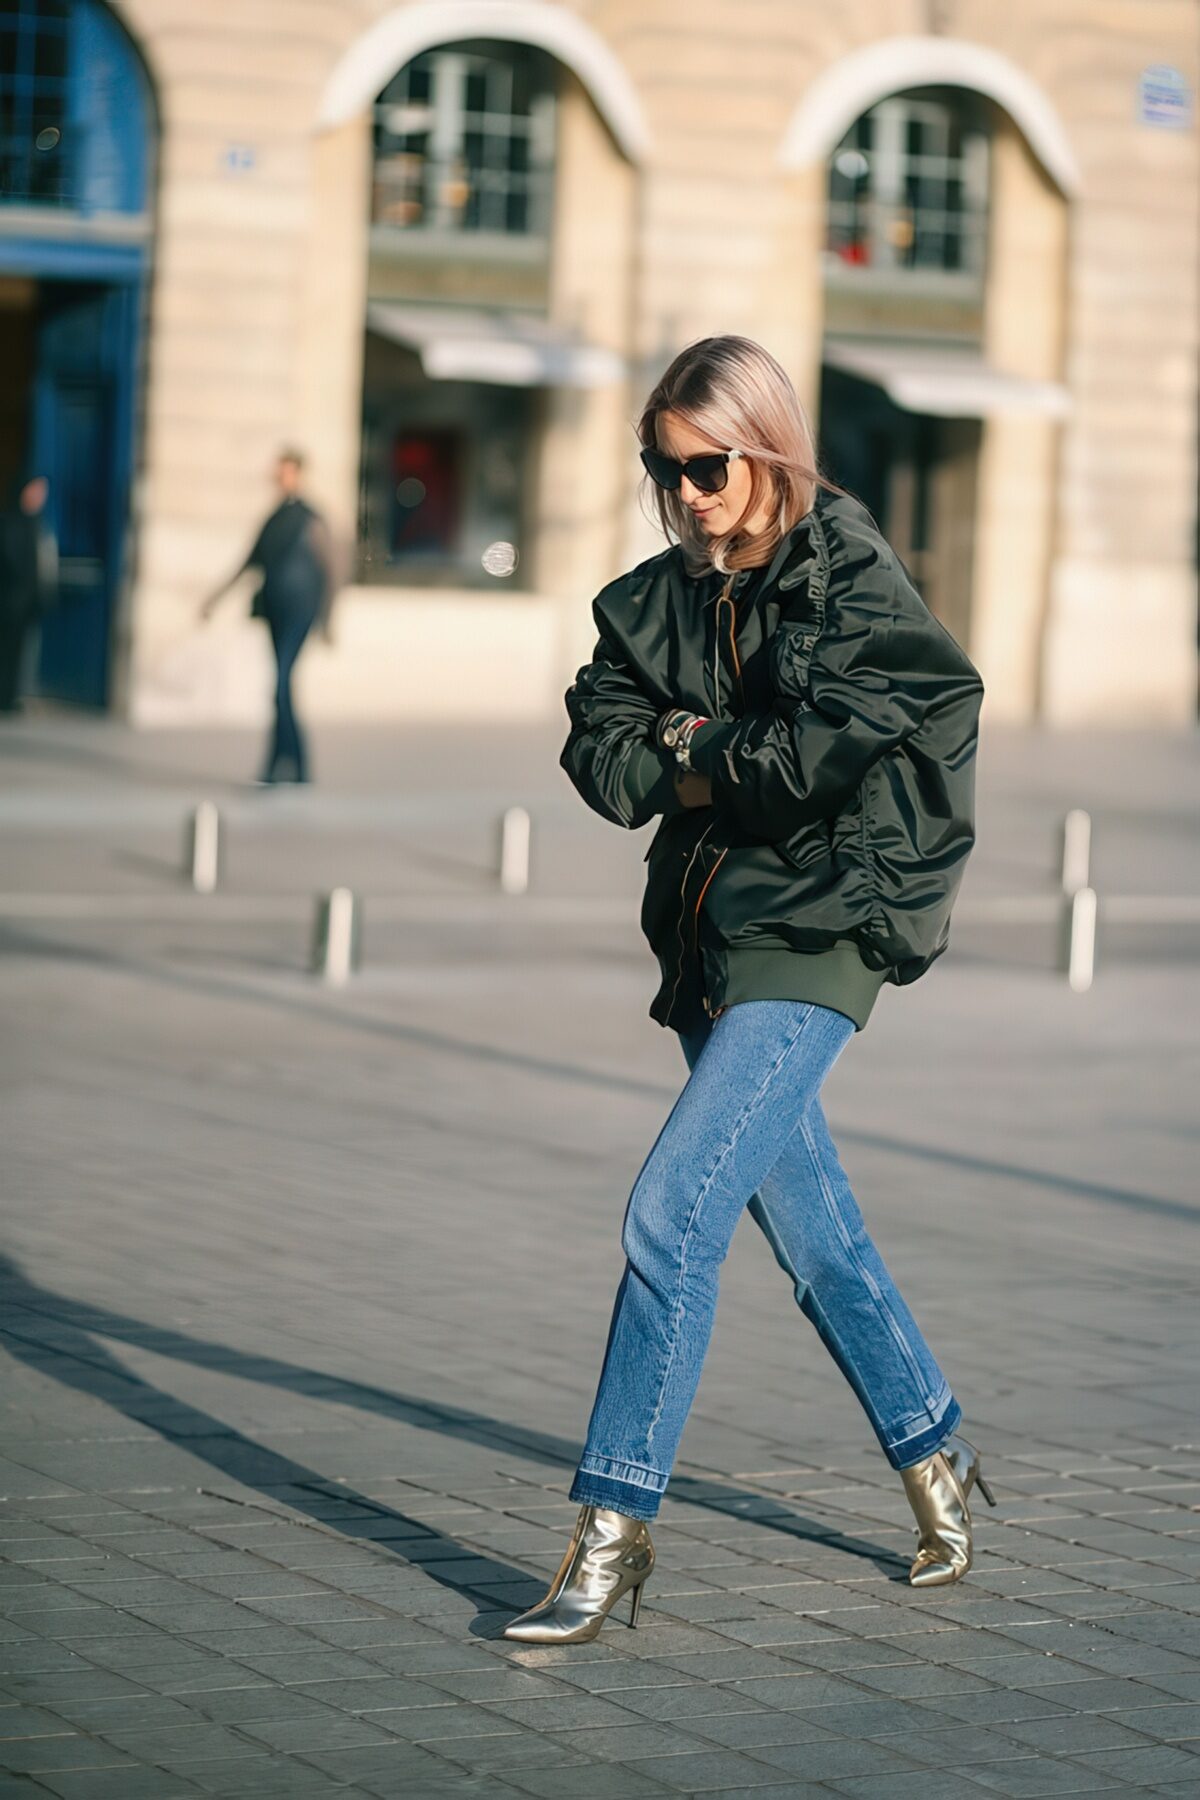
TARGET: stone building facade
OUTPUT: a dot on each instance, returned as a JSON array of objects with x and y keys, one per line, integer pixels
[{"x": 447, "y": 245}]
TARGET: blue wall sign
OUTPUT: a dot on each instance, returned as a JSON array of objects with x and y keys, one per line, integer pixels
[{"x": 1164, "y": 98}]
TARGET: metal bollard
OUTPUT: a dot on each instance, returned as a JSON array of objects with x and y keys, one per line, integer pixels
[
  {"x": 202, "y": 854},
  {"x": 514, "y": 851},
  {"x": 337, "y": 936},
  {"x": 1076, "y": 850},
  {"x": 1077, "y": 946},
  {"x": 1079, "y": 951}
]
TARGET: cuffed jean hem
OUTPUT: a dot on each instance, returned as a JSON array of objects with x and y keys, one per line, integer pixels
[
  {"x": 621, "y": 1496},
  {"x": 915, "y": 1448}
]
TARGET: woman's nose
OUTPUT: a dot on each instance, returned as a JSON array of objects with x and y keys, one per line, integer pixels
[{"x": 688, "y": 491}]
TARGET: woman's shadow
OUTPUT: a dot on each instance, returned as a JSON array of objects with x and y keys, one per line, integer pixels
[{"x": 60, "y": 1337}]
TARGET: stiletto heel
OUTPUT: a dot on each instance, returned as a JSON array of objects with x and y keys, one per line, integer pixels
[
  {"x": 608, "y": 1556},
  {"x": 937, "y": 1491}
]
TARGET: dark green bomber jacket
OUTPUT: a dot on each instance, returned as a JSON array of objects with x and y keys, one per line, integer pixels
[{"x": 841, "y": 753}]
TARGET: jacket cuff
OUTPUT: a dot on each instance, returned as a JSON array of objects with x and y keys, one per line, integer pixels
[
  {"x": 707, "y": 743},
  {"x": 650, "y": 781}
]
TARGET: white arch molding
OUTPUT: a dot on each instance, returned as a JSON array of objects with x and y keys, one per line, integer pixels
[
  {"x": 843, "y": 92},
  {"x": 369, "y": 63}
]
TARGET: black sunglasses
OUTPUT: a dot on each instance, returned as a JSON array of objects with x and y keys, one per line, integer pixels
[{"x": 708, "y": 473}]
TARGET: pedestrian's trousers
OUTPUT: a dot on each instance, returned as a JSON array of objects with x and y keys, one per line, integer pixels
[
  {"x": 748, "y": 1130},
  {"x": 289, "y": 628}
]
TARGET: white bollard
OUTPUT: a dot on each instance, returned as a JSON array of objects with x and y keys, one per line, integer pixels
[
  {"x": 1081, "y": 939},
  {"x": 514, "y": 851},
  {"x": 204, "y": 848},
  {"x": 337, "y": 937},
  {"x": 1076, "y": 851}
]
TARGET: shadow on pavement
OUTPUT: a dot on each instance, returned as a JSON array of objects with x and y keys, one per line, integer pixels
[{"x": 59, "y": 1336}]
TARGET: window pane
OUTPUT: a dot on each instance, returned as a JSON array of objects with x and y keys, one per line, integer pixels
[
  {"x": 494, "y": 135},
  {"x": 908, "y": 186}
]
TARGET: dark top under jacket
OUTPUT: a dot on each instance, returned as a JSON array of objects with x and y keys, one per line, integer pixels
[{"x": 841, "y": 755}]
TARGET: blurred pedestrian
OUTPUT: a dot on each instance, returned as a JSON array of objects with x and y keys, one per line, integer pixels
[
  {"x": 28, "y": 579},
  {"x": 294, "y": 554},
  {"x": 774, "y": 686}
]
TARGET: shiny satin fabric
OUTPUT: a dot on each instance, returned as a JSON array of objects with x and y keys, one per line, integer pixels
[{"x": 841, "y": 759}]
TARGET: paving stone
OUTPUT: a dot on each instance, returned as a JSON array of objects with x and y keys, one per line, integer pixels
[
  {"x": 926, "y": 1784},
  {"x": 689, "y": 1700},
  {"x": 705, "y": 1771},
  {"x": 1067, "y": 1733},
  {"x": 1168, "y": 1722},
  {"x": 128, "y": 1783},
  {"x": 29, "y": 1721},
  {"x": 1145, "y": 1764},
  {"x": 1026, "y": 1777},
  {"x": 64, "y": 1750},
  {"x": 746, "y": 1731},
  {"x": 594, "y": 1781},
  {"x": 838, "y": 1758}
]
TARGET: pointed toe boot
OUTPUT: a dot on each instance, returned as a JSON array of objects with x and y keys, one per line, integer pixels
[
  {"x": 938, "y": 1491},
  {"x": 608, "y": 1556}
]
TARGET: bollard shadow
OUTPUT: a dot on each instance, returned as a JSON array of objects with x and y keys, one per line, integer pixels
[
  {"x": 16, "y": 942},
  {"x": 60, "y": 1337},
  {"x": 165, "y": 869}
]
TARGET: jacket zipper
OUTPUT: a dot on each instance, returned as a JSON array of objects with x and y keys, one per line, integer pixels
[
  {"x": 696, "y": 921},
  {"x": 723, "y": 599},
  {"x": 682, "y": 912}
]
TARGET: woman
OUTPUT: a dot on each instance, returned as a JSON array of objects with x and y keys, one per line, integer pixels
[{"x": 772, "y": 685}]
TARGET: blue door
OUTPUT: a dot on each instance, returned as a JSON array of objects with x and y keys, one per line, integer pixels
[
  {"x": 81, "y": 441},
  {"x": 76, "y": 136}
]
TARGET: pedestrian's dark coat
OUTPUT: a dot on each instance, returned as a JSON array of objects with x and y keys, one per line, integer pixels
[{"x": 841, "y": 757}]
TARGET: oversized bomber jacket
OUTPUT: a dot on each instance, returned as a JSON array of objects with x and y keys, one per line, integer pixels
[{"x": 841, "y": 753}]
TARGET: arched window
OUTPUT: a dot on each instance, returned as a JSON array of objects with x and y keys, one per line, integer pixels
[
  {"x": 464, "y": 142},
  {"x": 908, "y": 186},
  {"x": 73, "y": 113}
]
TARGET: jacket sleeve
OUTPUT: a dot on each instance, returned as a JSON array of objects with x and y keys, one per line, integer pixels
[
  {"x": 610, "y": 753},
  {"x": 880, "y": 663}
]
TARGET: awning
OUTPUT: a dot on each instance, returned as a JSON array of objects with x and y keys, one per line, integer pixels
[
  {"x": 509, "y": 349},
  {"x": 947, "y": 382}
]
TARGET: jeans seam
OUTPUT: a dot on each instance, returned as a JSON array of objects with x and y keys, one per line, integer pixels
[
  {"x": 730, "y": 1144},
  {"x": 868, "y": 1280}
]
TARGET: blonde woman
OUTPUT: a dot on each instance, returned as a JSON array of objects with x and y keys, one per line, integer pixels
[{"x": 775, "y": 688}]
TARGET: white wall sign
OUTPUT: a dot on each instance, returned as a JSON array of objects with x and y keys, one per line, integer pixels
[{"x": 1164, "y": 98}]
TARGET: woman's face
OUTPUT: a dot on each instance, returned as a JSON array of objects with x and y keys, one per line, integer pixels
[{"x": 714, "y": 513}]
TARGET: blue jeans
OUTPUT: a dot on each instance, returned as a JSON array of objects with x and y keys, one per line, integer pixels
[
  {"x": 287, "y": 747},
  {"x": 748, "y": 1130}
]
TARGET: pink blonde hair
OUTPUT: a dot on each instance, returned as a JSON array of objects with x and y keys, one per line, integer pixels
[{"x": 735, "y": 393}]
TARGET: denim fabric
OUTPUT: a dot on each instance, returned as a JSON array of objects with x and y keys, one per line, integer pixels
[
  {"x": 287, "y": 749},
  {"x": 748, "y": 1130}
]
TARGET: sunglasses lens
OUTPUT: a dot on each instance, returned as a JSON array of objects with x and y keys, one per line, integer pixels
[
  {"x": 662, "y": 469},
  {"x": 708, "y": 473}
]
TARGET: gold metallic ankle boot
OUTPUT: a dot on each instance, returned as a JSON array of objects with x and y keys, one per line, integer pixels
[
  {"x": 937, "y": 1491},
  {"x": 608, "y": 1554}
]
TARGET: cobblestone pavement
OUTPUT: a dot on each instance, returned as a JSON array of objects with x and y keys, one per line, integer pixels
[{"x": 305, "y": 1293}]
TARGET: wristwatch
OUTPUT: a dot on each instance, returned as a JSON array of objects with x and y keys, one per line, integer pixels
[{"x": 675, "y": 732}]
